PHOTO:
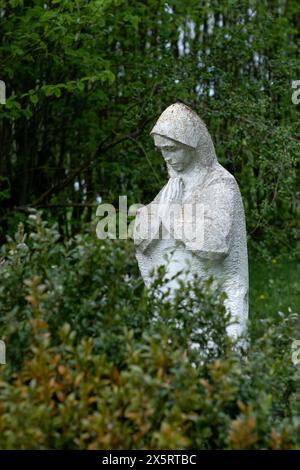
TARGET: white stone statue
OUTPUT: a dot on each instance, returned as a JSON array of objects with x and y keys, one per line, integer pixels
[{"x": 204, "y": 198}]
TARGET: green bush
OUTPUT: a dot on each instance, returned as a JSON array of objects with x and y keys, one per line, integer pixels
[{"x": 96, "y": 361}]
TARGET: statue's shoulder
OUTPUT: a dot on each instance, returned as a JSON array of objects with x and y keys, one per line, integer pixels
[
  {"x": 220, "y": 176},
  {"x": 217, "y": 181}
]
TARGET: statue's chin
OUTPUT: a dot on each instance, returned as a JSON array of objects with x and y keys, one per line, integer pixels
[{"x": 173, "y": 171}]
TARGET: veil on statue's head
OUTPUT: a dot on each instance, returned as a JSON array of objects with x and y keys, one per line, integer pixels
[{"x": 181, "y": 124}]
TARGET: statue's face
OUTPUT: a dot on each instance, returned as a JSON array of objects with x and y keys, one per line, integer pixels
[{"x": 176, "y": 155}]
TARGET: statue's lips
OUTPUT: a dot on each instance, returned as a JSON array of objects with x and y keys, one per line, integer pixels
[{"x": 176, "y": 166}]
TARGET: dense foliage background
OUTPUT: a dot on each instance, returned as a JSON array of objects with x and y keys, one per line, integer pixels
[
  {"x": 87, "y": 364},
  {"x": 87, "y": 79}
]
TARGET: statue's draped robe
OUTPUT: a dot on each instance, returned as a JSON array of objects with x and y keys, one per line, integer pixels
[{"x": 223, "y": 253}]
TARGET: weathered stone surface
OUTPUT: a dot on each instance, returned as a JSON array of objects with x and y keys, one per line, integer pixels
[{"x": 196, "y": 223}]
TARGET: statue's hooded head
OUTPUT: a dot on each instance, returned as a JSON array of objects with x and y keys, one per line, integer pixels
[{"x": 183, "y": 139}]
